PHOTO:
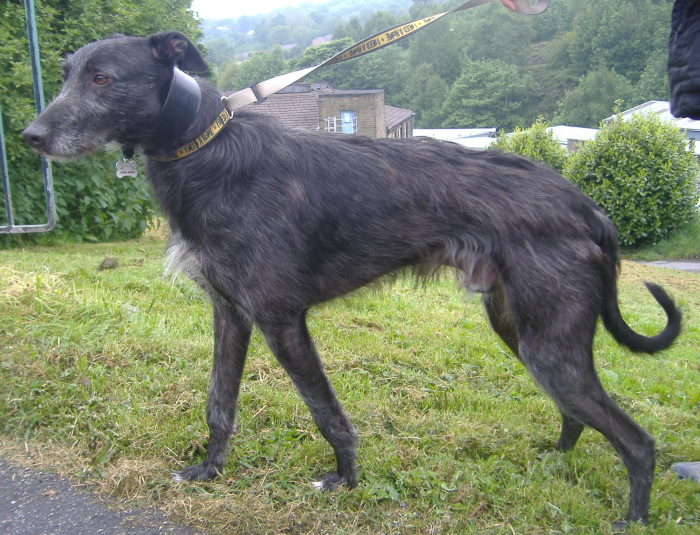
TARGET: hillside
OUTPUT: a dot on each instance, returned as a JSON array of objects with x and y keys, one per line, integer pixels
[{"x": 483, "y": 68}]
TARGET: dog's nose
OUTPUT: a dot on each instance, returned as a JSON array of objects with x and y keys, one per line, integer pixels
[{"x": 35, "y": 134}]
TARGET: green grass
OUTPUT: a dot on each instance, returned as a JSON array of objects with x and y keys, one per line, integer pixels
[
  {"x": 681, "y": 244},
  {"x": 103, "y": 377}
]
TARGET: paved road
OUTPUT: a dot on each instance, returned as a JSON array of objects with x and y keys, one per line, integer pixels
[
  {"x": 682, "y": 265},
  {"x": 36, "y": 503}
]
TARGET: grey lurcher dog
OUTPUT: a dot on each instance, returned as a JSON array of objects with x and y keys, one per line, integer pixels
[{"x": 270, "y": 222}]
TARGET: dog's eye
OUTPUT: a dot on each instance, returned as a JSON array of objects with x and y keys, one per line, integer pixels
[{"x": 101, "y": 79}]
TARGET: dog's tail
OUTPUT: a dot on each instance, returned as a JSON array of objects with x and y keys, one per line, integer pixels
[
  {"x": 624, "y": 334},
  {"x": 612, "y": 319}
]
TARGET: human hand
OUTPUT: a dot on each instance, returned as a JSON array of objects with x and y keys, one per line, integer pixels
[{"x": 509, "y": 4}]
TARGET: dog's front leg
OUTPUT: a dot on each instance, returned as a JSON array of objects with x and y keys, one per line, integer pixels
[
  {"x": 292, "y": 345},
  {"x": 231, "y": 339}
]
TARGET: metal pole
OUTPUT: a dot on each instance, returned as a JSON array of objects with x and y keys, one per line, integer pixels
[{"x": 35, "y": 58}]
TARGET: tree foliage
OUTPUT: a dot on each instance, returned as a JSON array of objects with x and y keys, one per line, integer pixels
[
  {"x": 622, "y": 34},
  {"x": 488, "y": 94},
  {"x": 641, "y": 173},
  {"x": 594, "y": 98},
  {"x": 92, "y": 204},
  {"x": 424, "y": 88},
  {"x": 260, "y": 66}
]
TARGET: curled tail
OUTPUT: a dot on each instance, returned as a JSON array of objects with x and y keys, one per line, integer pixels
[
  {"x": 606, "y": 236},
  {"x": 624, "y": 334}
]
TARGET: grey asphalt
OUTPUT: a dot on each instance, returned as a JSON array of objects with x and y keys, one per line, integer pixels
[
  {"x": 37, "y": 503},
  {"x": 682, "y": 265}
]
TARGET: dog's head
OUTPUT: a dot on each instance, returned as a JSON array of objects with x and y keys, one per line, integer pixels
[{"x": 113, "y": 91}]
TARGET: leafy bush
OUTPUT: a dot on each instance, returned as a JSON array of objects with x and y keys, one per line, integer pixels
[
  {"x": 92, "y": 203},
  {"x": 536, "y": 143},
  {"x": 641, "y": 173}
]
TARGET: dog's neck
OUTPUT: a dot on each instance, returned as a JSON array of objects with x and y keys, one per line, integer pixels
[
  {"x": 204, "y": 125},
  {"x": 179, "y": 122}
]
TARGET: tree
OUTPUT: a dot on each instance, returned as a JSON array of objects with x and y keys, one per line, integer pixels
[
  {"x": 316, "y": 55},
  {"x": 377, "y": 22},
  {"x": 594, "y": 98},
  {"x": 622, "y": 34},
  {"x": 280, "y": 35},
  {"x": 488, "y": 94},
  {"x": 642, "y": 175},
  {"x": 226, "y": 75},
  {"x": 425, "y": 92},
  {"x": 384, "y": 69},
  {"x": 495, "y": 33},
  {"x": 557, "y": 19},
  {"x": 219, "y": 51},
  {"x": 653, "y": 83},
  {"x": 352, "y": 30},
  {"x": 260, "y": 66},
  {"x": 440, "y": 45}
]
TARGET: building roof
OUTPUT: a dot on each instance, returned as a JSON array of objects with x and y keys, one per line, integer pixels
[
  {"x": 293, "y": 110},
  {"x": 396, "y": 116},
  {"x": 662, "y": 109},
  {"x": 298, "y": 106},
  {"x": 577, "y": 133},
  {"x": 472, "y": 138},
  {"x": 481, "y": 138}
]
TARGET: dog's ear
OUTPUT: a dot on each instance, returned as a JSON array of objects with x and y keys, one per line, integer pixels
[{"x": 178, "y": 49}]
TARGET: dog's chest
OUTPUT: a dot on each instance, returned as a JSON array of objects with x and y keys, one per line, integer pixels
[{"x": 181, "y": 258}]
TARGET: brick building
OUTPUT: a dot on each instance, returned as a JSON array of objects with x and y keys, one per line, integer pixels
[{"x": 317, "y": 107}]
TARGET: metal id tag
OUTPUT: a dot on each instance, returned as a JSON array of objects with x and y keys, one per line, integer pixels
[{"x": 126, "y": 168}]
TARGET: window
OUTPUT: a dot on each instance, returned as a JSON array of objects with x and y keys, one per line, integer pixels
[
  {"x": 349, "y": 122},
  {"x": 346, "y": 123}
]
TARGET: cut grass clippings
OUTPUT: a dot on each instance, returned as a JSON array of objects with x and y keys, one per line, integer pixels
[{"x": 103, "y": 377}]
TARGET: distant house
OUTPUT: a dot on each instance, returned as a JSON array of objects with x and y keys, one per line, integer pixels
[
  {"x": 480, "y": 138},
  {"x": 317, "y": 107},
  {"x": 662, "y": 109},
  {"x": 571, "y": 137},
  {"x": 322, "y": 40},
  {"x": 472, "y": 138}
]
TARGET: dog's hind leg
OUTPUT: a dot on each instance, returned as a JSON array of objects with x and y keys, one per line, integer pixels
[
  {"x": 501, "y": 321},
  {"x": 561, "y": 361},
  {"x": 231, "y": 339},
  {"x": 571, "y": 430},
  {"x": 292, "y": 346}
]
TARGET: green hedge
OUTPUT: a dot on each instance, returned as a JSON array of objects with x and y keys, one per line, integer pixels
[
  {"x": 92, "y": 203},
  {"x": 536, "y": 143},
  {"x": 641, "y": 173}
]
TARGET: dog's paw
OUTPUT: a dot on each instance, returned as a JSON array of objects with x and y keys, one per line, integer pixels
[
  {"x": 331, "y": 481},
  {"x": 198, "y": 472},
  {"x": 620, "y": 526}
]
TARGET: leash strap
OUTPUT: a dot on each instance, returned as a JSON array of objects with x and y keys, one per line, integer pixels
[{"x": 258, "y": 92}]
